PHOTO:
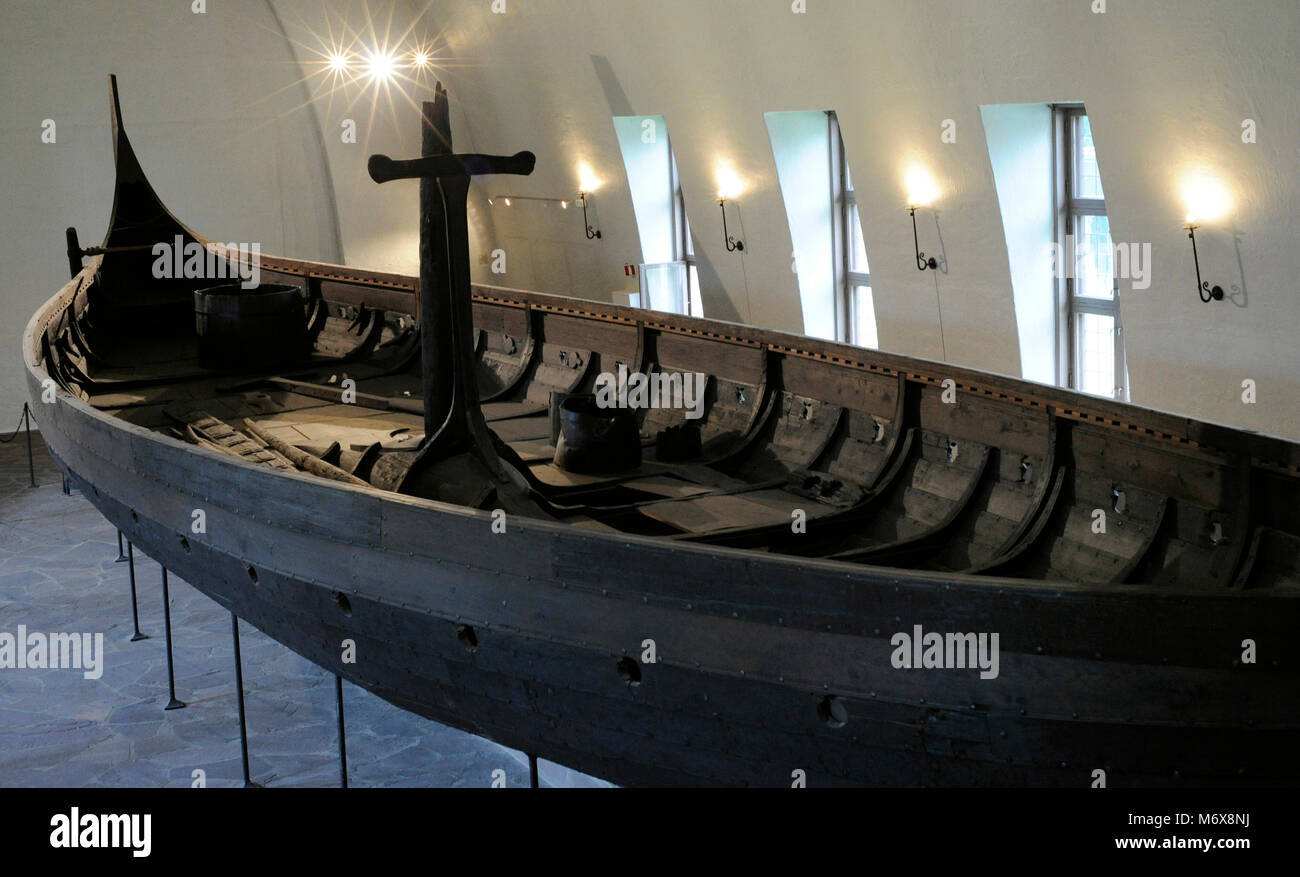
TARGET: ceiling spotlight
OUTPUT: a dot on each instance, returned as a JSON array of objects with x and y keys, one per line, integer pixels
[
  {"x": 421, "y": 59},
  {"x": 380, "y": 66},
  {"x": 507, "y": 202},
  {"x": 338, "y": 62}
]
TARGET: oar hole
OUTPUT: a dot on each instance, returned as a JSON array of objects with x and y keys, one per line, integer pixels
[
  {"x": 628, "y": 669},
  {"x": 252, "y": 573},
  {"x": 343, "y": 602},
  {"x": 468, "y": 638},
  {"x": 831, "y": 710},
  {"x": 185, "y": 543}
]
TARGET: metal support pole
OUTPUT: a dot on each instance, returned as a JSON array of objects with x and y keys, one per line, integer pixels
[
  {"x": 135, "y": 611},
  {"x": 343, "y": 740},
  {"x": 239, "y": 690},
  {"x": 121, "y": 558},
  {"x": 31, "y": 465},
  {"x": 532, "y": 771},
  {"x": 172, "y": 704}
]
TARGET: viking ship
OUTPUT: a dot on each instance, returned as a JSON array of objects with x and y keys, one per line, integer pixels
[{"x": 766, "y": 594}]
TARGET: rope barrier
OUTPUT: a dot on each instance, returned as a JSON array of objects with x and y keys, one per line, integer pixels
[
  {"x": 25, "y": 421},
  {"x": 22, "y": 419}
]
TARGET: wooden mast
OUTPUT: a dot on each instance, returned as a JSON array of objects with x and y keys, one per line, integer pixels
[
  {"x": 436, "y": 335},
  {"x": 459, "y": 455}
]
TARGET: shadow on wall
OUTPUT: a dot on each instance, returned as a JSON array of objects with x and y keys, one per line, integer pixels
[
  {"x": 717, "y": 305},
  {"x": 942, "y": 256},
  {"x": 1239, "y": 296},
  {"x": 615, "y": 96}
]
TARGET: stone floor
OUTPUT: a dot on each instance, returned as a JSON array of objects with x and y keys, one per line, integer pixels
[{"x": 59, "y": 573}]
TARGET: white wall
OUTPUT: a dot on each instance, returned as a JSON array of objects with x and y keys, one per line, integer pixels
[
  {"x": 212, "y": 110},
  {"x": 1167, "y": 84}
]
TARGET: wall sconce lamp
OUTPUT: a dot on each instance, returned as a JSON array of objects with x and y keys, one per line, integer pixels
[
  {"x": 730, "y": 185},
  {"x": 922, "y": 261},
  {"x": 1207, "y": 292},
  {"x": 1206, "y": 197},
  {"x": 921, "y": 189},
  {"x": 592, "y": 233},
  {"x": 733, "y": 245}
]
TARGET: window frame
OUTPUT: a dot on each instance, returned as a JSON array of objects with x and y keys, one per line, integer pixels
[
  {"x": 683, "y": 244},
  {"x": 843, "y": 200},
  {"x": 1070, "y": 305}
]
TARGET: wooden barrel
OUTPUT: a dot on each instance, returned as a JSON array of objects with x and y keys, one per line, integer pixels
[{"x": 251, "y": 330}]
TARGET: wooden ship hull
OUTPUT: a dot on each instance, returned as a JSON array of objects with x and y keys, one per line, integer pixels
[{"x": 666, "y": 624}]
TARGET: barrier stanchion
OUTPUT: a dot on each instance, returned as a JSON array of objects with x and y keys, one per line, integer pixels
[
  {"x": 135, "y": 606},
  {"x": 343, "y": 740},
  {"x": 172, "y": 704},
  {"x": 239, "y": 690},
  {"x": 25, "y": 423}
]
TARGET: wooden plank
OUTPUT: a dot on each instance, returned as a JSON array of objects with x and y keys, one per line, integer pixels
[
  {"x": 396, "y": 300},
  {"x": 614, "y": 342},
  {"x": 760, "y": 508},
  {"x": 522, "y": 429},
  {"x": 730, "y": 362},
  {"x": 842, "y": 386},
  {"x": 502, "y": 320},
  {"x": 494, "y": 411}
]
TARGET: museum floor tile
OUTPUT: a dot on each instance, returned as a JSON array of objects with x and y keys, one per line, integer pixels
[{"x": 58, "y": 574}]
